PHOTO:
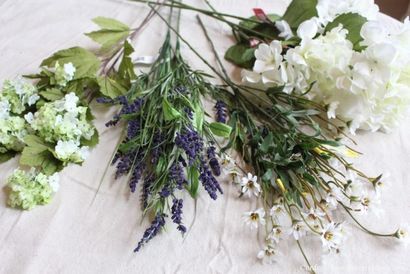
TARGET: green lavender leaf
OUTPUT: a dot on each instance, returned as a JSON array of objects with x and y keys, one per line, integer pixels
[
  {"x": 111, "y": 33},
  {"x": 198, "y": 118},
  {"x": 220, "y": 129},
  {"x": 353, "y": 22},
  {"x": 299, "y": 11},
  {"x": 170, "y": 113},
  {"x": 85, "y": 62},
  {"x": 110, "y": 88},
  {"x": 193, "y": 176}
]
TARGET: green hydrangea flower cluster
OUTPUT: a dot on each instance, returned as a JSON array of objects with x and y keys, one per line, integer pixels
[
  {"x": 29, "y": 189},
  {"x": 15, "y": 98},
  {"x": 64, "y": 123},
  {"x": 19, "y": 94},
  {"x": 64, "y": 74}
]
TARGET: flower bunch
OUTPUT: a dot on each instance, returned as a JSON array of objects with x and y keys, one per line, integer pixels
[
  {"x": 15, "y": 98},
  {"x": 29, "y": 189},
  {"x": 168, "y": 147},
  {"x": 303, "y": 178},
  {"x": 64, "y": 123},
  {"x": 352, "y": 64}
]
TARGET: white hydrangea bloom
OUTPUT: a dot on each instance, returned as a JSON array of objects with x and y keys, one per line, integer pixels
[
  {"x": 328, "y": 10},
  {"x": 369, "y": 89}
]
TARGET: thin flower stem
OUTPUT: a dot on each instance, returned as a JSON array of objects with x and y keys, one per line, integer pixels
[
  {"x": 364, "y": 228},
  {"x": 306, "y": 259}
]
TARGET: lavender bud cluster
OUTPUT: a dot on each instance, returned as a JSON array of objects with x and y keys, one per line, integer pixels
[
  {"x": 176, "y": 174},
  {"x": 191, "y": 143},
  {"x": 213, "y": 161},
  {"x": 176, "y": 211},
  {"x": 208, "y": 181},
  {"x": 221, "y": 111},
  {"x": 152, "y": 231}
]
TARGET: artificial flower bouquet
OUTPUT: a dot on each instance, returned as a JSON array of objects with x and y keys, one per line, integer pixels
[{"x": 310, "y": 77}]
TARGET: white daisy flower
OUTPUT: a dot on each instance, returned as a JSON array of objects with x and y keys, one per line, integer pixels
[
  {"x": 250, "y": 185},
  {"x": 267, "y": 255},
  {"x": 297, "y": 230},
  {"x": 277, "y": 211},
  {"x": 275, "y": 235},
  {"x": 254, "y": 218},
  {"x": 313, "y": 217},
  {"x": 332, "y": 236}
]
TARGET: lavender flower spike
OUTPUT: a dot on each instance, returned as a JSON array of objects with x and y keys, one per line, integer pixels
[
  {"x": 221, "y": 111},
  {"x": 177, "y": 214},
  {"x": 152, "y": 231}
]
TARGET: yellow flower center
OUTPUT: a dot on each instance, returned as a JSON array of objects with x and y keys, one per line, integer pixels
[
  {"x": 366, "y": 201},
  {"x": 254, "y": 216},
  {"x": 328, "y": 236}
]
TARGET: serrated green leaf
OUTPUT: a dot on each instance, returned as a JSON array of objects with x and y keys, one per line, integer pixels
[
  {"x": 110, "y": 88},
  {"x": 111, "y": 33},
  {"x": 39, "y": 154},
  {"x": 241, "y": 55},
  {"x": 126, "y": 68},
  {"x": 110, "y": 23},
  {"x": 52, "y": 94},
  {"x": 220, "y": 129},
  {"x": 170, "y": 113},
  {"x": 85, "y": 62},
  {"x": 353, "y": 22},
  {"x": 107, "y": 38},
  {"x": 299, "y": 11}
]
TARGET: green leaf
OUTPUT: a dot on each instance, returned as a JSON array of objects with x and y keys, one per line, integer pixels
[
  {"x": 85, "y": 62},
  {"x": 198, "y": 118},
  {"x": 352, "y": 22},
  {"x": 241, "y": 55},
  {"x": 112, "y": 32},
  {"x": 193, "y": 175},
  {"x": 220, "y": 129},
  {"x": 299, "y": 11},
  {"x": 4, "y": 157},
  {"x": 110, "y": 88},
  {"x": 310, "y": 179},
  {"x": 268, "y": 176},
  {"x": 93, "y": 141},
  {"x": 39, "y": 154},
  {"x": 170, "y": 113},
  {"x": 52, "y": 94},
  {"x": 110, "y": 24},
  {"x": 126, "y": 68},
  {"x": 267, "y": 142}
]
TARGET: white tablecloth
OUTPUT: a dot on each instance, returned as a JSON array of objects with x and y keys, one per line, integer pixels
[{"x": 85, "y": 231}]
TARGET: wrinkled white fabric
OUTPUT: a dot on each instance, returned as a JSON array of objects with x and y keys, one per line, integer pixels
[{"x": 93, "y": 228}]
